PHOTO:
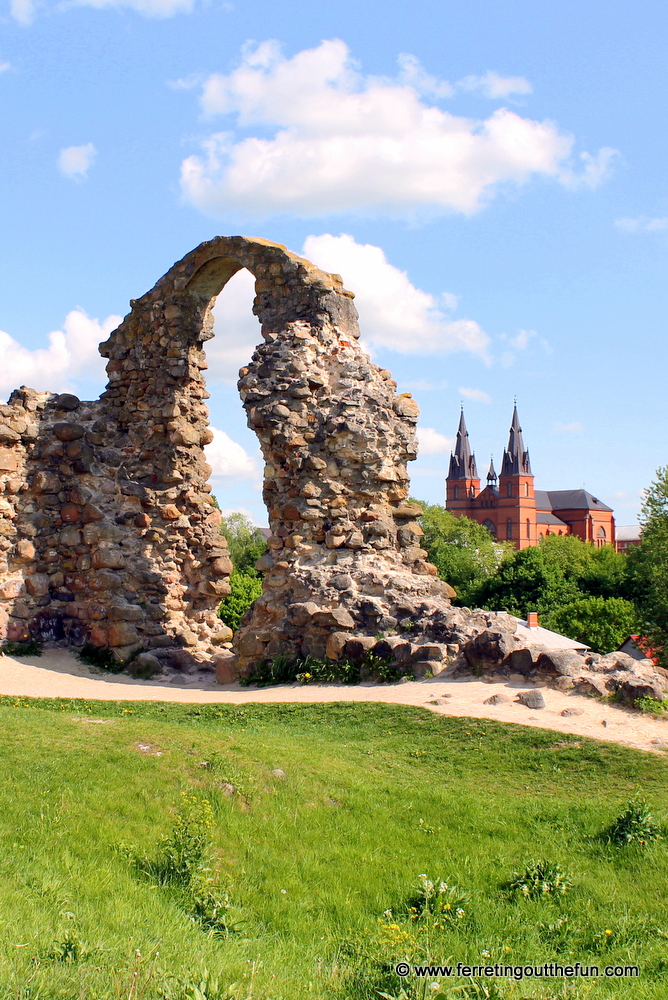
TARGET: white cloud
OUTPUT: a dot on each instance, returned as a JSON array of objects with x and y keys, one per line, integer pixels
[
  {"x": 520, "y": 341},
  {"x": 412, "y": 72},
  {"x": 476, "y": 395},
  {"x": 74, "y": 162},
  {"x": 574, "y": 428},
  {"x": 346, "y": 142},
  {"x": 237, "y": 330},
  {"x": 228, "y": 459},
  {"x": 643, "y": 224},
  {"x": 517, "y": 342},
  {"x": 431, "y": 442},
  {"x": 596, "y": 170},
  {"x": 72, "y": 354},
  {"x": 494, "y": 86},
  {"x": 393, "y": 313},
  {"x": 4, "y": 67},
  {"x": 23, "y": 11},
  {"x": 150, "y": 8}
]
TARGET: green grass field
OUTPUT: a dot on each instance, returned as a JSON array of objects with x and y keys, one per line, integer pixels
[{"x": 320, "y": 865}]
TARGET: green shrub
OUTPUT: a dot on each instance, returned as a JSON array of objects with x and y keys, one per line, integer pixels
[
  {"x": 539, "y": 879},
  {"x": 602, "y": 623},
  {"x": 635, "y": 825},
  {"x": 104, "y": 659},
  {"x": 182, "y": 855},
  {"x": 29, "y": 648},
  {"x": 69, "y": 949},
  {"x": 437, "y": 901},
  {"x": 244, "y": 591},
  {"x": 182, "y": 864},
  {"x": 651, "y": 705},
  {"x": 308, "y": 670}
]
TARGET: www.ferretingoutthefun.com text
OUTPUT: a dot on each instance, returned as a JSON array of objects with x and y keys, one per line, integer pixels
[{"x": 547, "y": 970}]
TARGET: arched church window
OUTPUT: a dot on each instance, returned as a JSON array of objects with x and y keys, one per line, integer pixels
[
  {"x": 528, "y": 528},
  {"x": 509, "y": 490},
  {"x": 491, "y": 527},
  {"x": 509, "y": 530},
  {"x": 456, "y": 493}
]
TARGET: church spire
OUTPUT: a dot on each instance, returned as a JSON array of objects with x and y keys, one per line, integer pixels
[
  {"x": 515, "y": 457},
  {"x": 491, "y": 475},
  {"x": 462, "y": 460}
]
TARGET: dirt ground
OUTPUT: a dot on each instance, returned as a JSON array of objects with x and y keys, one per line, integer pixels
[{"x": 58, "y": 674}]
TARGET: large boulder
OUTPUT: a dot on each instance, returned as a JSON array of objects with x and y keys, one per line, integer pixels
[
  {"x": 489, "y": 649},
  {"x": 593, "y": 685},
  {"x": 562, "y": 662},
  {"x": 618, "y": 661},
  {"x": 522, "y": 661},
  {"x": 532, "y": 699},
  {"x": 640, "y": 687}
]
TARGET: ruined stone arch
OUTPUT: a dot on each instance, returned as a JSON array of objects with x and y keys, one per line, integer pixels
[{"x": 141, "y": 556}]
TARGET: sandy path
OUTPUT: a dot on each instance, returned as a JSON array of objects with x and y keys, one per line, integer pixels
[{"x": 58, "y": 674}]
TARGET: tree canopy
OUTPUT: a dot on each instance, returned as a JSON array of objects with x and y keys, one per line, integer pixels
[
  {"x": 602, "y": 623},
  {"x": 464, "y": 552},
  {"x": 648, "y": 567},
  {"x": 579, "y": 590},
  {"x": 245, "y": 540},
  {"x": 560, "y": 570}
]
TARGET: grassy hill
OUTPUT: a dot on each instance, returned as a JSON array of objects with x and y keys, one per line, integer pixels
[{"x": 302, "y": 885}]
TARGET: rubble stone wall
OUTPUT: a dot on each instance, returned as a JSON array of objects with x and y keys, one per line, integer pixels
[{"x": 107, "y": 529}]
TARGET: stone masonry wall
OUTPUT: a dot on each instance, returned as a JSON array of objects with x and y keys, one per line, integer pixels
[{"x": 107, "y": 529}]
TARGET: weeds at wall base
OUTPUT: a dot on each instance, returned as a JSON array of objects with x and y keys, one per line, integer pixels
[
  {"x": 285, "y": 670},
  {"x": 30, "y": 648},
  {"x": 104, "y": 659}
]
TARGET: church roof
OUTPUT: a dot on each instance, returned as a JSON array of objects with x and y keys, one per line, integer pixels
[
  {"x": 462, "y": 460},
  {"x": 627, "y": 532},
  {"x": 545, "y": 517},
  {"x": 568, "y": 500},
  {"x": 515, "y": 457}
]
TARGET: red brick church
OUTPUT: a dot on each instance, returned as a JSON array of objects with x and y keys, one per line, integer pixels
[{"x": 511, "y": 509}]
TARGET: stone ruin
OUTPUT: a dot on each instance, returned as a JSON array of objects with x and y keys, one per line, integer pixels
[{"x": 108, "y": 533}]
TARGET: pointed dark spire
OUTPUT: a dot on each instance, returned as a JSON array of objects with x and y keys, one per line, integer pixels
[
  {"x": 462, "y": 460},
  {"x": 491, "y": 475},
  {"x": 515, "y": 457}
]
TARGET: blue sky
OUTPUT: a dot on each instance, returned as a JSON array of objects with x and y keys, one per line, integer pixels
[{"x": 489, "y": 178}]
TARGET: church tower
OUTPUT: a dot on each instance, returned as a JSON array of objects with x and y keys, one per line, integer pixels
[
  {"x": 463, "y": 483},
  {"x": 517, "y": 503}
]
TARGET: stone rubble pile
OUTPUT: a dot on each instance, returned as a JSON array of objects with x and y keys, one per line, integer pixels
[{"x": 500, "y": 652}]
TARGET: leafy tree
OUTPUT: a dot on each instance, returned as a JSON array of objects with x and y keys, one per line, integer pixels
[
  {"x": 246, "y": 542},
  {"x": 527, "y": 581},
  {"x": 599, "y": 622},
  {"x": 648, "y": 567},
  {"x": 245, "y": 590},
  {"x": 600, "y": 572},
  {"x": 464, "y": 552},
  {"x": 559, "y": 571}
]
